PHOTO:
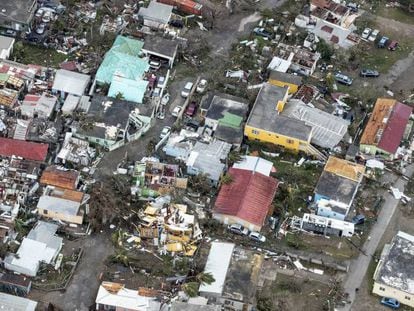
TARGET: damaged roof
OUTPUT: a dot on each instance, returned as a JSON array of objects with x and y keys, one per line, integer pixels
[
  {"x": 345, "y": 168},
  {"x": 160, "y": 45},
  {"x": 62, "y": 178},
  {"x": 396, "y": 268},
  {"x": 24, "y": 149},
  {"x": 248, "y": 196}
]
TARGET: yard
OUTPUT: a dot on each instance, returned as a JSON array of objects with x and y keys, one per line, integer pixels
[{"x": 33, "y": 54}]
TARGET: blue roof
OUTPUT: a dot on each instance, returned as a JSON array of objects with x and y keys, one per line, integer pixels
[{"x": 131, "y": 90}]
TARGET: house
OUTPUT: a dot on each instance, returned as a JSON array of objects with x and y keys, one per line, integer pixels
[
  {"x": 246, "y": 200},
  {"x": 17, "y": 14},
  {"x": 60, "y": 177},
  {"x": 112, "y": 122},
  {"x": 40, "y": 130},
  {"x": 156, "y": 15},
  {"x": 394, "y": 275},
  {"x": 235, "y": 272},
  {"x": 208, "y": 159},
  {"x": 387, "y": 126},
  {"x": 115, "y": 296},
  {"x": 123, "y": 65},
  {"x": 69, "y": 82},
  {"x": 327, "y": 226},
  {"x": 70, "y": 104},
  {"x": 283, "y": 79},
  {"x": 24, "y": 149},
  {"x": 161, "y": 48},
  {"x": 15, "y": 284},
  {"x": 60, "y": 209},
  {"x": 225, "y": 116},
  {"x": 76, "y": 151},
  {"x": 337, "y": 187},
  {"x": 40, "y": 245},
  {"x": 6, "y": 47},
  {"x": 178, "y": 146},
  {"x": 186, "y": 306},
  {"x": 38, "y": 105},
  {"x": 15, "y": 303}
]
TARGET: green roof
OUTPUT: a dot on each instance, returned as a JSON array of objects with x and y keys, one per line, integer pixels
[
  {"x": 123, "y": 60},
  {"x": 231, "y": 120},
  {"x": 132, "y": 90},
  {"x": 4, "y": 77}
]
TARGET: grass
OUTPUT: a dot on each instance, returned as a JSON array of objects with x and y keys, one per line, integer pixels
[
  {"x": 32, "y": 54},
  {"x": 397, "y": 14}
]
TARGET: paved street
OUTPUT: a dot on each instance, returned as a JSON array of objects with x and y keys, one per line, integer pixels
[{"x": 359, "y": 266}]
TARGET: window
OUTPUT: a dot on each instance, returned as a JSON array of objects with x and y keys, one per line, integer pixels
[
  {"x": 382, "y": 288},
  {"x": 255, "y": 132},
  {"x": 289, "y": 141},
  {"x": 407, "y": 298},
  {"x": 44, "y": 212}
]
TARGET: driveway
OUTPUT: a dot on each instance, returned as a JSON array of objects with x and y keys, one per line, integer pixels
[{"x": 359, "y": 267}]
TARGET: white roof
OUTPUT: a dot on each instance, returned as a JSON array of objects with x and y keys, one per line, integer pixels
[
  {"x": 70, "y": 82},
  {"x": 15, "y": 303},
  {"x": 325, "y": 221},
  {"x": 127, "y": 299},
  {"x": 255, "y": 164},
  {"x": 70, "y": 104},
  {"x": 218, "y": 263},
  {"x": 42, "y": 105},
  {"x": 58, "y": 205},
  {"x": 279, "y": 64}
]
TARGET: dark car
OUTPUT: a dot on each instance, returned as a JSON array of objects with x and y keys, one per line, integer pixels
[
  {"x": 263, "y": 33},
  {"x": 393, "y": 45},
  {"x": 9, "y": 33},
  {"x": 194, "y": 124},
  {"x": 358, "y": 219},
  {"x": 369, "y": 73},
  {"x": 390, "y": 302},
  {"x": 191, "y": 109},
  {"x": 383, "y": 42},
  {"x": 177, "y": 23}
]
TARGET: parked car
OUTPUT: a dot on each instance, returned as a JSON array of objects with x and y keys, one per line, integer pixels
[
  {"x": 257, "y": 237},
  {"x": 373, "y": 36},
  {"x": 390, "y": 302},
  {"x": 369, "y": 73},
  {"x": 165, "y": 131},
  {"x": 193, "y": 124},
  {"x": 187, "y": 89},
  {"x": 201, "y": 87},
  {"x": 9, "y": 33},
  {"x": 344, "y": 79},
  {"x": 383, "y": 42},
  {"x": 353, "y": 7},
  {"x": 41, "y": 29},
  {"x": 358, "y": 219},
  {"x": 176, "y": 111},
  {"x": 393, "y": 45},
  {"x": 161, "y": 82},
  {"x": 238, "y": 229},
  {"x": 365, "y": 34},
  {"x": 263, "y": 33},
  {"x": 39, "y": 12},
  {"x": 191, "y": 109},
  {"x": 47, "y": 16},
  {"x": 165, "y": 99},
  {"x": 156, "y": 92},
  {"x": 161, "y": 115},
  {"x": 155, "y": 65}
]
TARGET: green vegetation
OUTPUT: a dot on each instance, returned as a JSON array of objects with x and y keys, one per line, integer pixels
[
  {"x": 32, "y": 54},
  {"x": 398, "y": 14}
]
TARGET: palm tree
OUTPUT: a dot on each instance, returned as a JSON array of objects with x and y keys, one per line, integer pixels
[
  {"x": 205, "y": 278},
  {"x": 190, "y": 288}
]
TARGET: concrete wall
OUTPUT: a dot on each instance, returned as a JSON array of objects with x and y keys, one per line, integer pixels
[
  {"x": 75, "y": 219},
  {"x": 387, "y": 291}
]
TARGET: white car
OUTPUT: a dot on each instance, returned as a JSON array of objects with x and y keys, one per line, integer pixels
[
  {"x": 161, "y": 115},
  {"x": 373, "y": 36},
  {"x": 156, "y": 92},
  {"x": 41, "y": 29},
  {"x": 176, "y": 111},
  {"x": 201, "y": 87},
  {"x": 161, "y": 82},
  {"x": 39, "y": 13},
  {"x": 47, "y": 16},
  {"x": 256, "y": 236},
  {"x": 187, "y": 89},
  {"x": 366, "y": 33},
  {"x": 165, "y": 131},
  {"x": 165, "y": 99}
]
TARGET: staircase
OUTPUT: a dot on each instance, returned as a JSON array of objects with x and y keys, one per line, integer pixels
[{"x": 309, "y": 149}]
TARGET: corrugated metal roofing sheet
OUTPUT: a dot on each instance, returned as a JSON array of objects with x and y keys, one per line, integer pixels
[
  {"x": 60, "y": 178},
  {"x": 24, "y": 149},
  {"x": 248, "y": 196}
]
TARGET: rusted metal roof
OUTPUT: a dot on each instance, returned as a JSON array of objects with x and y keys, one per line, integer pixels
[
  {"x": 66, "y": 179},
  {"x": 344, "y": 168},
  {"x": 248, "y": 196},
  {"x": 27, "y": 150}
]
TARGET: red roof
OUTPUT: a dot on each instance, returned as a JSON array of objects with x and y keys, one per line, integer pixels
[
  {"x": 24, "y": 149},
  {"x": 248, "y": 196},
  {"x": 394, "y": 131}
]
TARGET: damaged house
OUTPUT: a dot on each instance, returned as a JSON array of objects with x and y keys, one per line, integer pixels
[
  {"x": 60, "y": 177},
  {"x": 38, "y": 105},
  {"x": 326, "y": 226},
  {"x": 76, "y": 151}
]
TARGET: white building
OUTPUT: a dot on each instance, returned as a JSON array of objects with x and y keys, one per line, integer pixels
[
  {"x": 327, "y": 226},
  {"x": 6, "y": 47}
]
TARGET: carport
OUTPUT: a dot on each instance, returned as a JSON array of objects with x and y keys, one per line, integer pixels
[{"x": 161, "y": 48}]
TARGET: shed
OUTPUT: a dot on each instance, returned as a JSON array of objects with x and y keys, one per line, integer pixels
[{"x": 69, "y": 82}]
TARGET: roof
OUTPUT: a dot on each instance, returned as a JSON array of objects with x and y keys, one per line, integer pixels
[
  {"x": 116, "y": 295},
  {"x": 345, "y": 168},
  {"x": 70, "y": 104},
  {"x": 255, "y": 164},
  {"x": 327, "y": 129},
  {"x": 394, "y": 131},
  {"x": 123, "y": 59},
  {"x": 184, "y": 306},
  {"x": 42, "y": 105},
  {"x": 67, "y": 194},
  {"x": 336, "y": 188},
  {"x": 396, "y": 267},
  {"x": 218, "y": 263},
  {"x": 15, "y": 303},
  {"x": 24, "y": 149},
  {"x": 18, "y": 10},
  {"x": 70, "y": 82},
  {"x": 131, "y": 90},
  {"x": 6, "y": 42},
  {"x": 8, "y": 97},
  {"x": 265, "y": 116},
  {"x": 58, "y": 205},
  {"x": 248, "y": 196},
  {"x": 161, "y": 46},
  {"x": 63, "y": 178},
  {"x": 15, "y": 280},
  {"x": 285, "y": 77},
  {"x": 156, "y": 11},
  {"x": 223, "y": 106}
]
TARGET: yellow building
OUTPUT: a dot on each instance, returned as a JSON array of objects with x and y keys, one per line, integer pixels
[
  {"x": 393, "y": 277},
  {"x": 283, "y": 79},
  {"x": 266, "y": 124}
]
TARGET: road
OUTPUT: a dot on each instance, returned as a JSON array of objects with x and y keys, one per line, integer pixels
[{"x": 359, "y": 266}]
